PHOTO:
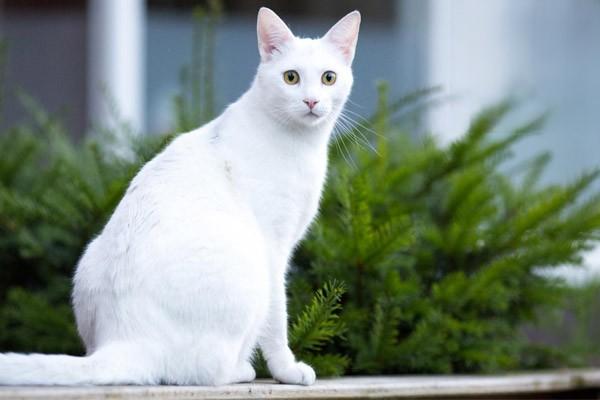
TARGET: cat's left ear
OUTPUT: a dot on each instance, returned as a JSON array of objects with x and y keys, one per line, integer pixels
[
  {"x": 344, "y": 35},
  {"x": 272, "y": 33}
]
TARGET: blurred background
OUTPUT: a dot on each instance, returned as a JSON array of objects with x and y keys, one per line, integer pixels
[
  {"x": 98, "y": 64},
  {"x": 91, "y": 59}
]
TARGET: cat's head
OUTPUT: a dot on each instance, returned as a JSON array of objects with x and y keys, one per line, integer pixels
[{"x": 305, "y": 82}]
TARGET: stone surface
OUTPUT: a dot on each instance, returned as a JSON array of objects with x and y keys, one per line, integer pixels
[{"x": 475, "y": 386}]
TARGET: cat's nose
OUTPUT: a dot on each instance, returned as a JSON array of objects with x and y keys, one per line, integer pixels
[{"x": 311, "y": 103}]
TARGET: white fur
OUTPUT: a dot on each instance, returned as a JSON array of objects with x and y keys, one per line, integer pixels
[{"x": 188, "y": 275}]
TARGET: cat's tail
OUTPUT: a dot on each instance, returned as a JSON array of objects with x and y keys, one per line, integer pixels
[
  {"x": 42, "y": 369},
  {"x": 100, "y": 368}
]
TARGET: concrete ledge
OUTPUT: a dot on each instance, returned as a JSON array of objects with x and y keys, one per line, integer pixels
[{"x": 570, "y": 383}]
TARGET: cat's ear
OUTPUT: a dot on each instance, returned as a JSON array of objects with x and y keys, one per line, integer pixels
[
  {"x": 344, "y": 35},
  {"x": 272, "y": 33}
]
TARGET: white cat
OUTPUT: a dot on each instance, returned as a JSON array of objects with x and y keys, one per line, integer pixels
[{"x": 188, "y": 275}]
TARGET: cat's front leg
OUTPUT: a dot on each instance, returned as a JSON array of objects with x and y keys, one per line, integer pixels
[{"x": 274, "y": 341}]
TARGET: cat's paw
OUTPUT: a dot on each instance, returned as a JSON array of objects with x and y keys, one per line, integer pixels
[
  {"x": 244, "y": 373},
  {"x": 296, "y": 374}
]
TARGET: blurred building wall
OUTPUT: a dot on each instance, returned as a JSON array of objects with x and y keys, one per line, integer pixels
[
  {"x": 392, "y": 46},
  {"x": 545, "y": 53},
  {"x": 83, "y": 60},
  {"x": 46, "y": 59}
]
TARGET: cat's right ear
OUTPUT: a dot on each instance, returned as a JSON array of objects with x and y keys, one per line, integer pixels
[
  {"x": 344, "y": 35},
  {"x": 272, "y": 33}
]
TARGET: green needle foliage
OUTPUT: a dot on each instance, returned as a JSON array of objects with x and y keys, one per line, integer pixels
[
  {"x": 316, "y": 326},
  {"x": 54, "y": 197},
  {"x": 440, "y": 251}
]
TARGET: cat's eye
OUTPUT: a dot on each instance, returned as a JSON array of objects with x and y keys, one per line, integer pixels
[
  {"x": 328, "y": 78},
  {"x": 291, "y": 77}
]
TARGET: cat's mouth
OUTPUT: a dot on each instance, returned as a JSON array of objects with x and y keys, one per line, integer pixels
[{"x": 312, "y": 115}]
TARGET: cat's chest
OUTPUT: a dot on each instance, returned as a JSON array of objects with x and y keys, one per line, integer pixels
[{"x": 284, "y": 195}]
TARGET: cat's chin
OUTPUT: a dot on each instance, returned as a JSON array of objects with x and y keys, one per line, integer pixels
[{"x": 312, "y": 119}]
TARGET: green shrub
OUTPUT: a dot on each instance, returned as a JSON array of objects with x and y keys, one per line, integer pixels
[
  {"x": 441, "y": 252},
  {"x": 54, "y": 197}
]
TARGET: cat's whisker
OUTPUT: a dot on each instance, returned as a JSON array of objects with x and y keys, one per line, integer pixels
[
  {"x": 366, "y": 123},
  {"x": 350, "y": 159},
  {"x": 359, "y": 123},
  {"x": 356, "y": 124},
  {"x": 359, "y": 137},
  {"x": 364, "y": 143},
  {"x": 348, "y": 130},
  {"x": 355, "y": 113},
  {"x": 356, "y": 134},
  {"x": 355, "y": 103},
  {"x": 339, "y": 138},
  {"x": 336, "y": 140},
  {"x": 352, "y": 125}
]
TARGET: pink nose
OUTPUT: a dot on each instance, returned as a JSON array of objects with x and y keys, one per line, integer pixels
[{"x": 311, "y": 103}]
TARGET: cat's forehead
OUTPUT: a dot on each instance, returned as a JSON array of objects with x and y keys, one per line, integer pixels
[{"x": 305, "y": 51}]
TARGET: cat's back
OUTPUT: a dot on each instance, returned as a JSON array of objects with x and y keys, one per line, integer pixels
[
  {"x": 189, "y": 160},
  {"x": 188, "y": 185},
  {"x": 182, "y": 191},
  {"x": 178, "y": 233}
]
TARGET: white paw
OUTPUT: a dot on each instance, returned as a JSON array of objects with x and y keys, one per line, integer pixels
[
  {"x": 245, "y": 373},
  {"x": 296, "y": 374}
]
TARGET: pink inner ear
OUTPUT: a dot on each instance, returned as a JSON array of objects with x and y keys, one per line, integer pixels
[
  {"x": 344, "y": 34},
  {"x": 271, "y": 49},
  {"x": 274, "y": 38},
  {"x": 345, "y": 45},
  {"x": 273, "y": 33}
]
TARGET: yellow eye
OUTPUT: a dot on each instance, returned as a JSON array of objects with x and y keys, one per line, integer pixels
[
  {"x": 291, "y": 77},
  {"x": 328, "y": 78}
]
